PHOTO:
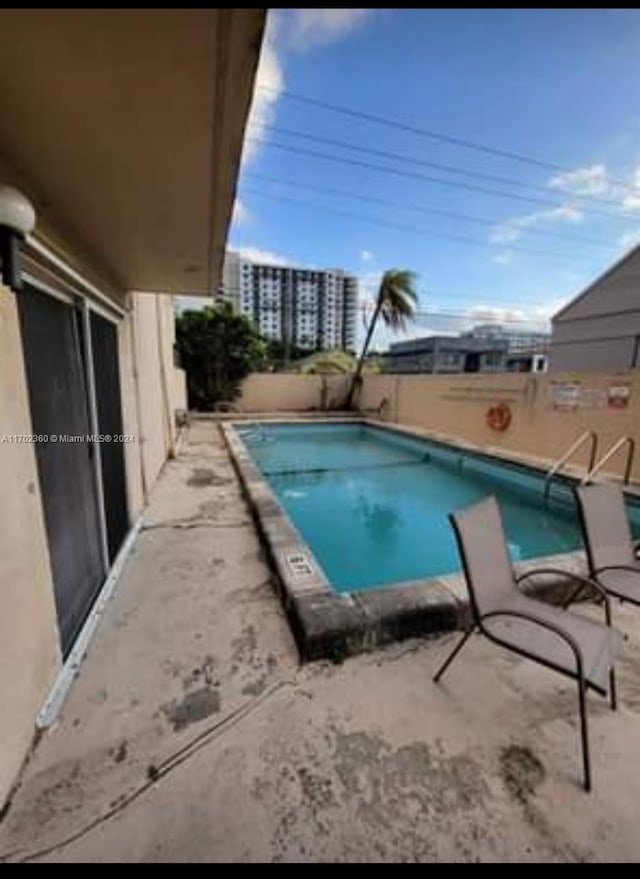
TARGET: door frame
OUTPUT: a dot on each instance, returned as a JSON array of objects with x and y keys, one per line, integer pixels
[
  {"x": 86, "y": 303},
  {"x": 49, "y": 273}
]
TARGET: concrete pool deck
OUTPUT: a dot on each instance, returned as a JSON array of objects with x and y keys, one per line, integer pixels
[{"x": 193, "y": 734}]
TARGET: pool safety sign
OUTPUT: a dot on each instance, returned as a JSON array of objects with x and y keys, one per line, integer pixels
[
  {"x": 618, "y": 396},
  {"x": 569, "y": 396},
  {"x": 299, "y": 565},
  {"x": 565, "y": 396}
]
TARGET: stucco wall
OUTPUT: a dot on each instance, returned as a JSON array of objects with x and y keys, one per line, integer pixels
[
  {"x": 150, "y": 353},
  {"x": 275, "y": 392},
  {"x": 597, "y": 344},
  {"x": 179, "y": 386},
  {"x": 175, "y": 378},
  {"x": 600, "y": 330},
  {"x": 29, "y": 648},
  {"x": 457, "y": 405}
]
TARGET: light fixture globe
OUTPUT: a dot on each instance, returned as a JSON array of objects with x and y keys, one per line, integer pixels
[
  {"x": 17, "y": 219},
  {"x": 16, "y": 211}
]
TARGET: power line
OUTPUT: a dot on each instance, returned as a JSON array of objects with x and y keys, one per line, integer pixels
[
  {"x": 409, "y": 228},
  {"x": 449, "y": 315},
  {"x": 414, "y": 175},
  {"x": 467, "y": 218},
  {"x": 425, "y": 132},
  {"x": 413, "y": 160},
  {"x": 429, "y": 315},
  {"x": 485, "y": 303}
]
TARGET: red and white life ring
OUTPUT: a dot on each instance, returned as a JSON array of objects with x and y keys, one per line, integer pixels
[{"x": 498, "y": 417}]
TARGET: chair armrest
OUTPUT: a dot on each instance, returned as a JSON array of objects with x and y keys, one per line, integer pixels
[
  {"x": 545, "y": 624},
  {"x": 583, "y": 581},
  {"x": 632, "y": 568}
]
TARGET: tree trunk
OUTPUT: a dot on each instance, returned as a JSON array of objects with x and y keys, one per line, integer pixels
[{"x": 357, "y": 374}]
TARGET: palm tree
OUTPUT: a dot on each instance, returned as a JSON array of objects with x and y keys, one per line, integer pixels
[{"x": 395, "y": 303}]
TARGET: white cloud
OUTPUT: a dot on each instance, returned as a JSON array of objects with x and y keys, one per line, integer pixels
[
  {"x": 366, "y": 255},
  {"x": 264, "y": 256},
  {"x": 566, "y": 211},
  {"x": 629, "y": 239},
  {"x": 441, "y": 323},
  {"x": 530, "y": 320},
  {"x": 503, "y": 259},
  {"x": 313, "y": 27},
  {"x": 240, "y": 213},
  {"x": 594, "y": 180},
  {"x": 590, "y": 180},
  {"x": 268, "y": 88},
  {"x": 512, "y": 229},
  {"x": 631, "y": 201},
  {"x": 293, "y": 30}
]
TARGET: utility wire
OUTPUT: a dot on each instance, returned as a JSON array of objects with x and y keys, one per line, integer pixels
[
  {"x": 425, "y": 132},
  {"x": 458, "y": 315},
  {"x": 409, "y": 228},
  {"x": 466, "y": 218},
  {"x": 428, "y": 315},
  {"x": 414, "y": 175},
  {"x": 439, "y": 294},
  {"x": 451, "y": 169}
]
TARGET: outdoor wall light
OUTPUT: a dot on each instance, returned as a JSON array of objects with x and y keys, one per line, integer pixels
[{"x": 17, "y": 219}]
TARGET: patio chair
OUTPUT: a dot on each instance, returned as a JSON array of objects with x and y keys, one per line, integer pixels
[
  {"x": 570, "y": 644},
  {"x": 611, "y": 552}
]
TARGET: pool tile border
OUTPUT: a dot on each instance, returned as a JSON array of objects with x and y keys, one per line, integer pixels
[{"x": 331, "y": 625}]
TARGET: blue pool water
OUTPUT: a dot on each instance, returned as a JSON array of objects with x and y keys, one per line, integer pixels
[{"x": 372, "y": 505}]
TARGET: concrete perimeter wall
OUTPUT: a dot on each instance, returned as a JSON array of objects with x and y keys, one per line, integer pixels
[
  {"x": 548, "y": 411},
  {"x": 284, "y": 392}
]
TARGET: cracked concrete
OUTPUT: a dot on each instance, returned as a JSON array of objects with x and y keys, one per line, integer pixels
[{"x": 193, "y": 733}]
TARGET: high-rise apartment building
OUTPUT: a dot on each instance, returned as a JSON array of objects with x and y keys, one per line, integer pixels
[{"x": 309, "y": 309}]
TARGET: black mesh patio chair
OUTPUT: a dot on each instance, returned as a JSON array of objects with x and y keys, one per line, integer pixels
[
  {"x": 611, "y": 552},
  {"x": 570, "y": 644}
]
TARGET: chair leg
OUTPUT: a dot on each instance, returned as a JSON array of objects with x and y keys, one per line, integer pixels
[
  {"x": 445, "y": 665},
  {"x": 612, "y": 690},
  {"x": 584, "y": 733}
]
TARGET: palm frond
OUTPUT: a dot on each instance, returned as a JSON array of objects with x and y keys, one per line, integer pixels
[
  {"x": 398, "y": 297},
  {"x": 395, "y": 304}
]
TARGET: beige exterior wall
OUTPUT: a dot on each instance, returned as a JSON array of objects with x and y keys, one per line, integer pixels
[
  {"x": 179, "y": 389},
  {"x": 457, "y": 405},
  {"x": 158, "y": 383},
  {"x": 275, "y": 392},
  {"x": 29, "y": 644},
  {"x": 151, "y": 388}
]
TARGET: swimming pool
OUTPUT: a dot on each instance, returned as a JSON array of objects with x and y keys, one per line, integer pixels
[{"x": 372, "y": 503}]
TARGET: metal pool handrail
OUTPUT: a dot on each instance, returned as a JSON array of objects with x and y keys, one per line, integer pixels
[
  {"x": 593, "y": 469},
  {"x": 588, "y": 434}
]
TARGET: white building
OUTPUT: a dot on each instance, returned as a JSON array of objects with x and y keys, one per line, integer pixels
[
  {"x": 310, "y": 309},
  {"x": 518, "y": 340}
]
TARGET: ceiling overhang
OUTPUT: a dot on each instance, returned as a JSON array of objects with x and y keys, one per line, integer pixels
[{"x": 125, "y": 128}]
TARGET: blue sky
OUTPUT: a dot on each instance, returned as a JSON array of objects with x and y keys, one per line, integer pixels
[{"x": 558, "y": 86}]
